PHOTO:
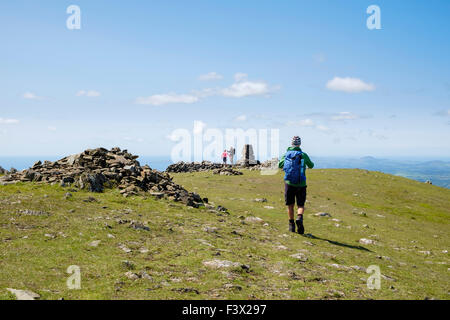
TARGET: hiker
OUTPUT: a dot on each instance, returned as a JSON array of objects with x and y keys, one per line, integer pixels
[
  {"x": 231, "y": 154},
  {"x": 294, "y": 164},
  {"x": 224, "y": 156}
]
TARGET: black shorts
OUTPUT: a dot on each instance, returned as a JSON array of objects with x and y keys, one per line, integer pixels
[{"x": 291, "y": 193}]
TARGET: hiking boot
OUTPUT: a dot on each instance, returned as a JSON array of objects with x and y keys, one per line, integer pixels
[
  {"x": 291, "y": 226},
  {"x": 300, "y": 227}
]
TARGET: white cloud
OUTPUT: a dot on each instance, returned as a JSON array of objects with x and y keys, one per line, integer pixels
[
  {"x": 161, "y": 99},
  {"x": 210, "y": 76},
  {"x": 8, "y": 121},
  {"x": 349, "y": 85},
  {"x": 323, "y": 128},
  {"x": 88, "y": 93},
  {"x": 301, "y": 123},
  {"x": 443, "y": 113},
  {"x": 246, "y": 88},
  {"x": 242, "y": 117},
  {"x": 31, "y": 96},
  {"x": 344, "y": 116},
  {"x": 240, "y": 76},
  {"x": 51, "y": 128}
]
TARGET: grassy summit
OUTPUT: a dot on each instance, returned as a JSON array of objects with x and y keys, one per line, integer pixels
[{"x": 159, "y": 249}]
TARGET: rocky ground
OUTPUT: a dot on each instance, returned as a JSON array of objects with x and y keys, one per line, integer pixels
[{"x": 99, "y": 168}]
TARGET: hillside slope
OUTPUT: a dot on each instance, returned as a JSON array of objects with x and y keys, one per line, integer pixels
[{"x": 158, "y": 249}]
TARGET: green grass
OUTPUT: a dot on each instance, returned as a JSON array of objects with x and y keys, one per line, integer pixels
[{"x": 402, "y": 215}]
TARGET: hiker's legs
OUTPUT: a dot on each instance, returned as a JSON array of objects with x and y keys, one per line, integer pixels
[
  {"x": 300, "y": 211},
  {"x": 291, "y": 211}
]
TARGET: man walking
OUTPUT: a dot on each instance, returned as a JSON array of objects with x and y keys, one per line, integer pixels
[{"x": 294, "y": 164}]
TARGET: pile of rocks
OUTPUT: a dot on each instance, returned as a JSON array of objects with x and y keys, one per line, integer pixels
[
  {"x": 3, "y": 171},
  {"x": 96, "y": 169},
  {"x": 195, "y": 166},
  {"x": 266, "y": 165},
  {"x": 227, "y": 171}
]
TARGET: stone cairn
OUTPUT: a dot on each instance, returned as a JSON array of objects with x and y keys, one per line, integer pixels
[
  {"x": 195, "y": 166},
  {"x": 216, "y": 168},
  {"x": 96, "y": 169}
]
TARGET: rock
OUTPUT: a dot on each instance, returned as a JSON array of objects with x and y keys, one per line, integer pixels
[
  {"x": 260, "y": 200},
  {"x": 301, "y": 257},
  {"x": 125, "y": 248},
  {"x": 95, "y": 243},
  {"x": 24, "y": 294},
  {"x": 128, "y": 265},
  {"x": 254, "y": 220},
  {"x": 366, "y": 241},
  {"x": 268, "y": 207},
  {"x": 131, "y": 275},
  {"x": 322, "y": 214},
  {"x": 220, "y": 264},
  {"x": 139, "y": 226}
]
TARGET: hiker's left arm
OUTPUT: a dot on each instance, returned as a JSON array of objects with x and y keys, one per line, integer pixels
[
  {"x": 308, "y": 161},
  {"x": 281, "y": 163}
]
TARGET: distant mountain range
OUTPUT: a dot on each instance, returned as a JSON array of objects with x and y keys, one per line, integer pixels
[{"x": 436, "y": 171}]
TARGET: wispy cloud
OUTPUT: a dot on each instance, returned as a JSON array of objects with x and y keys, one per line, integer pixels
[
  {"x": 31, "y": 96},
  {"x": 301, "y": 123},
  {"x": 88, "y": 93},
  {"x": 51, "y": 128},
  {"x": 162, "y": 99},
  {"x": 443, "y": 113},
  {"x": 239, "y": 89},
  {"x": 8, "y": 121},
  {"x": 210, "y": 76},
  {"x": 342, "y": 116},
  {"x": 349, "y": 85},
  {"x": 242, "y": 117}
]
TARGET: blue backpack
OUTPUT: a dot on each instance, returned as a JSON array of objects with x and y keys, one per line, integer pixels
[{"x": 294, "y": 167}]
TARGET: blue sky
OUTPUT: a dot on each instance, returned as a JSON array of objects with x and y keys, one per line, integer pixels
[{"x": 137, "y": 70}]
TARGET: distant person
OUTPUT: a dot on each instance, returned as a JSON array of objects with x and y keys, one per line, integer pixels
[
  {"x": 231, "y": 154},
  {"x": 224, "y": 156},
  {"x": 294, "y": 164}
]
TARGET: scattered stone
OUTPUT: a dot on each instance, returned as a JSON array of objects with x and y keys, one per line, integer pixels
[
  {"x": 322, "y": 214},
  {"x": 220, "y": 264},
  {"x": 125, "y": 248},
  {"x": 95, "y": 243},
  {"x": 425, "y": 252},
  {"x": 366, "y": 241},
  {"x": 210, "y": 229},
  {"x": 128, "y": 265},
  {"x": 24, "y": 294},
  {"x": 139, "y": 226},
  {"x": 226, "y": 171},
  {"x": 300, "y": 257},
  {"x": 268, "y": 207},
  {"x": 131, "y": 275},
  {"x": 260, "y": 200},
  {"x": 33, "y": 213},
  {"x": 254, "y": 220},
  {"x": 186, "y": 290}
]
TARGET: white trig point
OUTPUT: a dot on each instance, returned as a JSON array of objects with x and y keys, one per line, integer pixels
[
  {"x": 374, "y": 20},
  {"x": 74, "y": 21}
]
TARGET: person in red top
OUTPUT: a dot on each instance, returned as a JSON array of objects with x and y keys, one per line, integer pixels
[{"x": 224, "y": 156}]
